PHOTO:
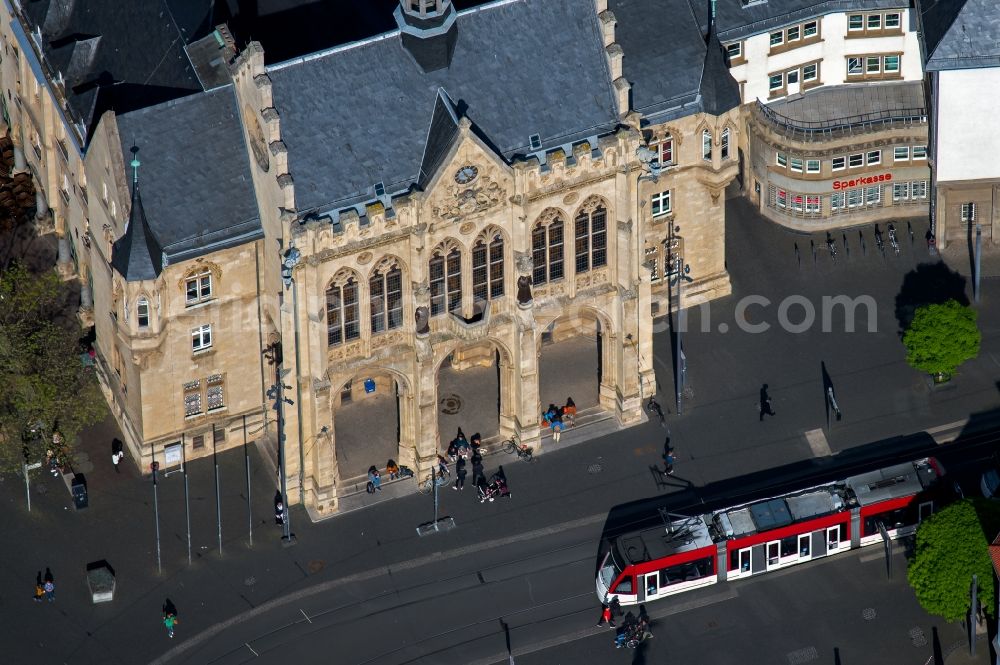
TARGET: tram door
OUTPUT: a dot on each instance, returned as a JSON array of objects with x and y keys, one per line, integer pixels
[
  {"x": 745, "y": 562},
  {"x": 651, "y": 584}
]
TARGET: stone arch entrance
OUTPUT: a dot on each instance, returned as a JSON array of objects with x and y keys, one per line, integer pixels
[
  {"x": 370, "y": 423},
  {"x": 471, "y": 383},
  {"x": 575, "y": 361}
]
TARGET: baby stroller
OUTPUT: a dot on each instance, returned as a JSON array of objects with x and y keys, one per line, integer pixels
[{"x": 497, "y": 487}]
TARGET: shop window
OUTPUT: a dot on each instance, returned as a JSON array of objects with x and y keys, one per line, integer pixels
[
  {"x": 812, "y": 166},
  {"x": 855, "y": 161},
  {"x": 854, "y": 198},
  {"x": 874, "y": 157},
  {"x": 798, "y": 201},
  {"x": 782, "y": 198},
  {"x": 839, "y": 163},
  {"x": 873, "y": 195},
  {"x": 812, "y": 205},
  {"x": 660, "y": 204},
  {"x": 900, "y": 191},
  {"x": 919, "y": 152},
  {"x": 918, "y": 189},
  {"x": 837, "y": 201},
  {"x": 901, "y": 153}
]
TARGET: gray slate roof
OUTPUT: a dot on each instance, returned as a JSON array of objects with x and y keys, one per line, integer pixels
[
  {"x": 120, "y": 54},
  {"x": 671, "y": 70},
  {"x": 360, "y": 114},
  {"x": 961, "y": 34},
  {"x": 734, "y": 21},
  {"x": 137, "y": 255},
  {"x": 195, "y": 173}
]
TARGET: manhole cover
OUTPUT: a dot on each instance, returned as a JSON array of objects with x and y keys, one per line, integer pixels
[
  {"x": 803, "y": 656},
  {"x": 250, "y": 581},
  {"x": 451, "y": 404},
  {"x": 869, "y": 613},
  {"x": 594, "y": 468},
  {"x": 917, "y": 637},
  {"x": 315, "y": 566}
]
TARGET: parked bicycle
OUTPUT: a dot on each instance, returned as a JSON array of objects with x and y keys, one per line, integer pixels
[
  {"x": 879, "y": 241},
  {"x": 893, "y": 241},
  {"x": 654, "y": 407},
  {"x": 831, "y": 244},
  {"x": 427, "y": 486},
  {"x": 515, "y": 447}
]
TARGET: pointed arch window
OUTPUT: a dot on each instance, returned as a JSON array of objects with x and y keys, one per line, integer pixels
[
  {"x": 343, "y": 316},
  {"x": 591, "y": 229},
  {"x": 724, "y": 148},
  {"x": 386, "y": 290},
  {"x": 547, "y": 252},
  {"x": 487, "y": 267},
  {"x": 142, "y": 312},
  {"x": 446, "y": 281},
  {"x": 706, "y": 145}
]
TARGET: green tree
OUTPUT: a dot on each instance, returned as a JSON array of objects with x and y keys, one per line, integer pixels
[
  {"x": 951, "y": 547},
  {"x": 45, "y": 386},
  {"x": 941, "y": 337}
]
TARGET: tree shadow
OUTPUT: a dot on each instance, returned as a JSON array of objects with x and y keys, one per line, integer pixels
[{"x": 928, "y": 284}]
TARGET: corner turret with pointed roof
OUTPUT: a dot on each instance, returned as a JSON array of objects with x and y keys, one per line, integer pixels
[
  {"x": 428, "y": 31},
  {"x": 719, "y": 91},
  {"x": 137, "y": 255}
]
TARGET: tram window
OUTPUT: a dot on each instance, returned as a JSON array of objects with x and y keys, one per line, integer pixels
[
  {"x": 789, "y": 545},
  {"x": 772, "y": 553},
  {"x": 892, "y": 519},
  {"x": 624, "y": 586},
  {"x": 686, "y": 572}
]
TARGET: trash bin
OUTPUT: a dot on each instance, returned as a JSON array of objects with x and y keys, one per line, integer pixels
[{"x": 79, "y": 490}]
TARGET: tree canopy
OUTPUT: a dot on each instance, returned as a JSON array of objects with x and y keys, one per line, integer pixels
[
  {"x": 46, "y": 388},
  {"x": 951, "y": 547},
  {"x": 941, "y": 337}
]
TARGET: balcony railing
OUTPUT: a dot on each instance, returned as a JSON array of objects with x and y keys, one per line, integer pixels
[{"x": 807, "y": 130}]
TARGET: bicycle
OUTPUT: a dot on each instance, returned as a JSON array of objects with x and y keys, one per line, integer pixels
[
  {"x": 831, "y": 244},
  {"x": 892, "y": 239},
  {"x": 428, "y": 485},
  {"x": 654, "y": 407},
  {"x": 878, "y": 241},
  {"x": 515, "y": 447}
]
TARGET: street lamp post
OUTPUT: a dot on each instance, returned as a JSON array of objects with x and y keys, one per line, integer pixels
[{"x": 289, "y": 260}]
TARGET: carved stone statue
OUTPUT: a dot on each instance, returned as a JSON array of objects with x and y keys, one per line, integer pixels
[
  {"x": 524, "y": 290},
  {"x": 423, "y": 320}
]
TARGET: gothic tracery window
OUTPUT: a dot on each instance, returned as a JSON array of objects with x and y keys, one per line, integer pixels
[
  {"x": 591, "y": 234},
  {"x": 343, "y": 315},
  {"x": 487, "y": 266},
  {"x": 385, "y": 288},
  {"x": 547, "y": 245},
  {"x": 446, "y": 280}
]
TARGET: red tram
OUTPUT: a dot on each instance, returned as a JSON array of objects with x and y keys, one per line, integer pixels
[{"x": 766, "y": 534}]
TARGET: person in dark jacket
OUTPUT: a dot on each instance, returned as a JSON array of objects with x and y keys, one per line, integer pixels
[
  {"x": 460, "y": 474},
  {"x": 477, "y": 470}
]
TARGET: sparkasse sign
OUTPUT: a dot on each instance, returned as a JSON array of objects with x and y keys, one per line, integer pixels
[{"x": 857, "y": 182}]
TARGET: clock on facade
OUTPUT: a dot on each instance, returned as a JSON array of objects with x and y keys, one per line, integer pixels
[{"x": 466, "y": 174}]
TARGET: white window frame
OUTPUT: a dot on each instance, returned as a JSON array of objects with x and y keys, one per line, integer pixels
[
  {"x": 860, "y": 160},
  {"x": 805, "y": 72},
  {"x": 202, "y": 288},
  {"x": 885, "y": 64},
  {"x": 922, "y": 186},
  {"x": 968, "y": 213},
  {"x": 805, "y": 29},
  {"x": 873, "y": 195},
  {"x": 798, "y": 33},
  {"x": 736, "y": 52},
  {"x": 900, "y": 191},
  {"x": 843, "y": 163},
  {"x": 792, "y": 76},
  {"x": 781, "y": 81},
  {"x": 813, "y": 204},
  {"x": 873, "y": 157},
  {"x": 855, "y": 197},
  {"x": 858, "y": 69},
  {"x": 781, "y": 198},
  {"x": 850, "y": 19},
  {"x": 659, "y": 204},
  {"x": 724, "y": 144},
  {"x": 810, "y": 164},
  {"x": 201, "y": 338},
  {"x": 838, "y": 201},
  {"x": 870, "y": 61},
  {"x": 781, "y": 159},
  {"x": 919, "y": 152},
  {"x": 791, "y": 164},
  {"x": 873, "y": 22},
  {"x": 903, "y": 150},
  {"x": 780, "y": 34},
  {"x": 706, "y": 145},
  {"x": 658, "y": 149},
  {"x": 896, "y": 22}
]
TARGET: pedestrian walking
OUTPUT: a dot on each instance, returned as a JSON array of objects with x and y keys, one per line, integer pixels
[
  {"x": 557, "y": 427},
  {"x": 279, "y": 509},
  {"x": 477, "y": 470},
  {"x": 117, "y": 453},
  {"x": 765, "y": 403},
  {"x": 170, "y": 621},
  {"x": 606, "y": 616},
  {"x": 460, "y": 474},
  {"x": 616, "y": 607},
  {"x": 50, "y": 586}
]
